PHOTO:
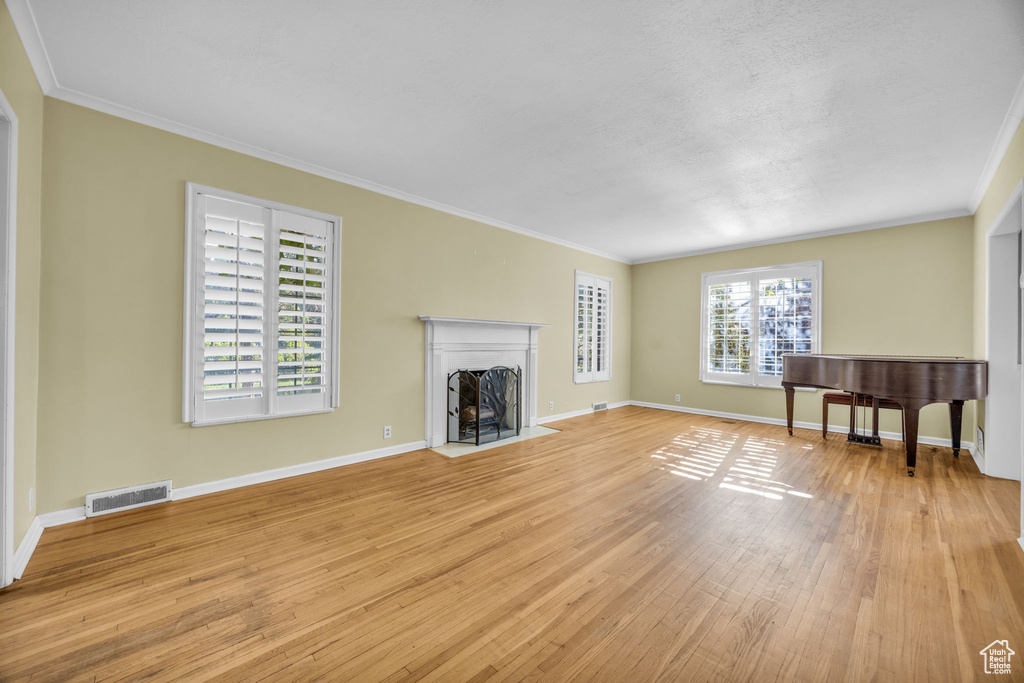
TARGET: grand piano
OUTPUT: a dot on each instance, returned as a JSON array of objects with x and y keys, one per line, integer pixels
[{"x": 911, "y": 381}]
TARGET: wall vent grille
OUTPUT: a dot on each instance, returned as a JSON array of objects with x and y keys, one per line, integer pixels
[
  {"x": 106, "y": 502},
  {"x": 603, "y": 405}
]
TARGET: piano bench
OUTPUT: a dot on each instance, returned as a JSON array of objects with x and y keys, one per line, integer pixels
[{"x": 844, "y": 399}]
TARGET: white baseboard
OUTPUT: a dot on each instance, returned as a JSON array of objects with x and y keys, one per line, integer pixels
[
  {"x": 76, "y": 514},
  {"x": 292, "y": 470},
  {"x": 27, "y": 547},
  {"x": 577, "y": 413},
  {"x": 979, "y": 458},
  {"x": 838, "y": 429},
  {"x": 1020, "y": 542},
  {"x": 58, "y": 517}
]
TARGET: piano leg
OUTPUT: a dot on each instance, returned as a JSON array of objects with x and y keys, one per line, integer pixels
[
  {"x": 874, "y": 419},
  {"x": 790, "y": 391},
  {"x": 956, "y": 417},
  {"x": 852, "y": 436},
  {"x": 911, "y": 413}
]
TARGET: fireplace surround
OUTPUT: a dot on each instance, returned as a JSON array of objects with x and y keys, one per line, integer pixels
[{"x": 464, "y": 343}]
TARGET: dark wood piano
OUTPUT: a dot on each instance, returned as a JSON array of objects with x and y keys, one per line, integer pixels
[{"x": 911, "y": 381}]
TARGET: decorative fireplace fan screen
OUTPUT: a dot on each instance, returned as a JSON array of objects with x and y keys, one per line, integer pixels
[{"x": 483, "y": 405}]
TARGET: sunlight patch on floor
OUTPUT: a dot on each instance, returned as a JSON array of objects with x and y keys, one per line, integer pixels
[{"x": 704, "y": 454}]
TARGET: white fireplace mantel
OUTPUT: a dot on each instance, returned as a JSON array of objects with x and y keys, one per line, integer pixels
[{"x": 469, "y": 344}]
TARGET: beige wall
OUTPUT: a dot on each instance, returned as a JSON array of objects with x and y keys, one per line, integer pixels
[
  {"x": 1008, "y": 174},
  {"x": 905, "y": 290},
  {"x": 112, "y": 310},
  {"x": 114, "y": 214},
  {"x": 18, "y": 83}
]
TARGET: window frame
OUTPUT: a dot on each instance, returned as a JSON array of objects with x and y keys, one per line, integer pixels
[
  {"x": 753, "y": 378},
  {"x": 592, "y": 376},
  {"x": 193, "y": 303}
]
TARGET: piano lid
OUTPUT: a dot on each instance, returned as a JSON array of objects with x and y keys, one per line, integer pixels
[{"x": 894, "y": 359}]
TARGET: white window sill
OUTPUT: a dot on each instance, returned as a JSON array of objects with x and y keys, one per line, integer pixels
[
  {"x": 212, "y": 423},
  {"x": 591, "y": 381}
]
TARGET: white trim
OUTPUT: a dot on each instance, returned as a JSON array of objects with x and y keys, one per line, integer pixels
[
  {"x": 59, "y": 517},
  {"x": 1016, "y": 192},
  {"x": 907, "y": 220},
  {"x": 28, "y": 31},
  {"x": 223, "y": 142},
  {"x": 577, "y": 413},
  {"x": 1011, "y": 122},
  {"x": 979, "y": 457},
  {"x": 838, "y": 429},
  {"x": 255, "y": 418},
  {"x": 32, "y": 40},
  {"x": 9, "y": 234},
  {"x": 1000, "y": 227},
  {"x": 293, "y": 470},
  {"x": 27, "y": 547},
  {"x": 477, "y": 321},
  {"x": 1020, "y": 542},
  {"x": 77, "y": 514}
]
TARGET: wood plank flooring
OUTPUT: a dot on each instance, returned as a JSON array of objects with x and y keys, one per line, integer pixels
[{"x": 635, "y": 545}]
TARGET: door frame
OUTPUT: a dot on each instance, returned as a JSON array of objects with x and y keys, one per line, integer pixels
[
  {"x": 1006, "y": 398},
  {"x": 8, "y": 253},
  {"x": 1001, "y": 225}
]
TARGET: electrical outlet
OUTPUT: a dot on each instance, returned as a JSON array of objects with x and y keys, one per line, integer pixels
[
  {"x": 32, "y": 499},
  {"x": 387, "y": 431},
  {"x": 551, "y": 405},
  {"x": 677, "y": 398}
]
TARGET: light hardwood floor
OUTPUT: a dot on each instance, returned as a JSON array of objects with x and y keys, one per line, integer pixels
[{"x": 635, "y": 545}]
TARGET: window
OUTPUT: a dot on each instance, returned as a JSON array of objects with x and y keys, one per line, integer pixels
[
  {"x": 593, "y": 328},
  {"x": 750, "y": 318},
  {"x": 261, "y": 309}
]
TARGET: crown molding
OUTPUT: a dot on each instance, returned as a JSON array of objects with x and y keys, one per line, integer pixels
[
  {"x": 28, "y": 30},
  {"x": 1011, "y": 122},
  {"x": 121, "y": 111},
  {"x": 909, "y": 220}
]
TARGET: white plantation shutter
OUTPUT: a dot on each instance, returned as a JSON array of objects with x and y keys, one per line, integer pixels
[
  {"x": 593, "y": 327},
  {"x": 752, "y": 318},
  {"x": 234, "y": 351},
  {"x": 304, "y": 302},
  {"x": 785, "y": 318},
  {"x": 728, "y": 321},
  {"x": 261, "y": 299}
]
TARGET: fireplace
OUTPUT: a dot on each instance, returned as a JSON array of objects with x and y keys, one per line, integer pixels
[
  {"x": 457, "y": 343},
  {"x": 483, "y": 405}
]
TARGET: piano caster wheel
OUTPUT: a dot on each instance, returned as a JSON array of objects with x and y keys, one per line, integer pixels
[
  {"x": 791, "y": 432},
  {"x": 956, "y": 452},
  {"x": 910, "y": 472}
]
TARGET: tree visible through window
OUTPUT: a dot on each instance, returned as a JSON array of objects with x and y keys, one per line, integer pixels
[{"x": 752, "y": 318}]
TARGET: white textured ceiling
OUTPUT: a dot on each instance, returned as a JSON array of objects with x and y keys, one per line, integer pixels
[{"x": 641, "y": 129}]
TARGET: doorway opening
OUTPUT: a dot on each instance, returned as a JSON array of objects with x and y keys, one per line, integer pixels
[{"x": 1004, "y": 408}]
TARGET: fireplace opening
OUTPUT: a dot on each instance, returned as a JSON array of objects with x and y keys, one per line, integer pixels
[{"x": 483, "y": 405}]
